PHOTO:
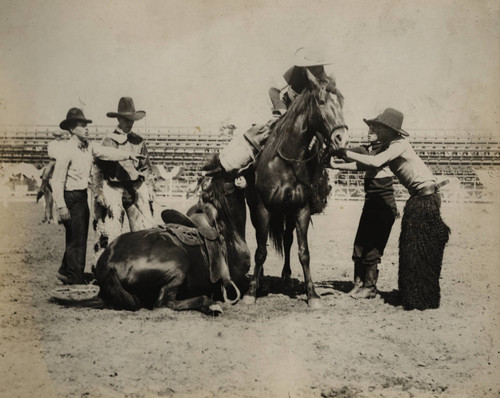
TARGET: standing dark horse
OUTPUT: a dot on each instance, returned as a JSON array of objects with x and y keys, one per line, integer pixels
[
  {"x": 156, "y": 267},
  {"x": 285, "y": 173}
]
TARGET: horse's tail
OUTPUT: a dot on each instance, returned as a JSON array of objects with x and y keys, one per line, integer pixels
[
  {"x": 113, "y": 293},
  {"x": 277, "y": 228}
]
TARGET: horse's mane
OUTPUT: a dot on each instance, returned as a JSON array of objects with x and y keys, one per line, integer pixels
[
  {"x": 215, "y": 194},
  {"x": 304, "y": 105},
  {"x": 211, "y": 163}
]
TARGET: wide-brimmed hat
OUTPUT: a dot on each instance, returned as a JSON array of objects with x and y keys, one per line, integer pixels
[
  {"x": 391, "y": 118},
  {"x": 74, "y": 114},
  {"x": 126, "y": 109},
  {"x": 305, "y": 57},
  {"x": 58, "y": 133}
]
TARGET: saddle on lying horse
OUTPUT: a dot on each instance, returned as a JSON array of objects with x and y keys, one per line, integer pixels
[{"x": 196, "y": 230}]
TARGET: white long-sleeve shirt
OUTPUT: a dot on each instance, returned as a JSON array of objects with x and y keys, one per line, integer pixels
[
  {"x": 73, "y": 166},
  {"x": 55, "y": 148}
]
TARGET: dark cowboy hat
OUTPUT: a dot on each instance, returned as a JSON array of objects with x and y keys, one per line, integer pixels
[
  {"x": 74, "y": 114},
  {"x": 390, "y": 118},
  {"x": 126, "y": 109}
]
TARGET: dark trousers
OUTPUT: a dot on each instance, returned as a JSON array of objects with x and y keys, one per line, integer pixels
[
  {"x": 77, "y": 228},
  {"x": 373, "y": 232}
]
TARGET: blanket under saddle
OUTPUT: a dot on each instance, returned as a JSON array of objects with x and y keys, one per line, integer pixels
[{"x": 198, "y": 232}]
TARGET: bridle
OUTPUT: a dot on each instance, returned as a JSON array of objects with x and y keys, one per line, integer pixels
[{"x": 327, "y": 139}]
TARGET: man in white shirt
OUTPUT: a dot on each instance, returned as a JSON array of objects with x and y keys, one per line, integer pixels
[{"x": 70, "y": 183}]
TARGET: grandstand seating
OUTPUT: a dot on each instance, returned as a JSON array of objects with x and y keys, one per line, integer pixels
[{"x": 446, "y": 152}]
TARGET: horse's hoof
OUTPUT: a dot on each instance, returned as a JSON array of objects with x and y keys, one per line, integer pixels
[
  {"x": 314, "y": 303},
  {"x": 249, "y": 300},
  {"x": 215, "y": 309}
]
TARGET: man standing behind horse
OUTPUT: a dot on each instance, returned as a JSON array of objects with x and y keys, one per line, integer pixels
[{"x": 124, "y": 187}]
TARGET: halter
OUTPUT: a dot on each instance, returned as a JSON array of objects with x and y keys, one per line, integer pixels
[{"x": 328, "y": 140}]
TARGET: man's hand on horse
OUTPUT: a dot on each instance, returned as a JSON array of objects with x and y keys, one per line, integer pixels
[
  {"x": 102, "y": 202},
  {"x": 136, "y": 158},
  {"x": 334, "y": 165},
  {"x": 64, "y": 213},
  {"x": 339, "y": 153},
  {"x": 240, "y": 182}
]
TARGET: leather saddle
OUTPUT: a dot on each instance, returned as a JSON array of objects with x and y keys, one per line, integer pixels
[
  {"x": 196, "y": 230},
  {"x": 199, "y": 221}
]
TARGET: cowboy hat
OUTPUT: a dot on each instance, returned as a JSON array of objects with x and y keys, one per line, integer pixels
[
  {"x": 58, "y": 133},
  {"x": 305, "y": 57},
  {"x": 126, "y": 109},
  {"x": 74, "y": 114},
  {"x": 390, "y": 118}
]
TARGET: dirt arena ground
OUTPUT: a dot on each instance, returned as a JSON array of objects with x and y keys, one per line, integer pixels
[{"x": 276, "y": 348}]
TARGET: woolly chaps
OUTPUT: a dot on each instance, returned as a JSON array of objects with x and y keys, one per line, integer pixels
[{"x": 421, "y": 246}]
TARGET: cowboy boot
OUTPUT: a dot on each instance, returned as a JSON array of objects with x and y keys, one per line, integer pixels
[
  {"x": 369, "y": 289},
  {"x": 358, "y": 277}
]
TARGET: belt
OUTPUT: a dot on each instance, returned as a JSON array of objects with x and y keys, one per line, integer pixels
[
  {"x": 431, "y": 189},
  {"x": 127, "y": 183}
]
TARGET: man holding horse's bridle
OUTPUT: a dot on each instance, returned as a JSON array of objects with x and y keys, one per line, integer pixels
[{"x": 423, "y": 232}]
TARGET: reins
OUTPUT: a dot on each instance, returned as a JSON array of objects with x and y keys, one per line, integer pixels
[
  {"x": 323, "y": 140},
  {"x": 328, "y": 140}
]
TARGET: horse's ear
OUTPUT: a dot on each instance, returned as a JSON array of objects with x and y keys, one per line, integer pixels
[
  {"x": 331, "y": 87},
  {"x": 312, "y": 79}
]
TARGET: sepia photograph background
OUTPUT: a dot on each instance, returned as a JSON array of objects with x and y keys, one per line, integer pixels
[{"x": 200, "y": 66}]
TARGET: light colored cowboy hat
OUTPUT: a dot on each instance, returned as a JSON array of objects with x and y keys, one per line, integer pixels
[
  {"x": 391, "y": 118},
  {"x": 305, "y": 57},
  {"x": 126, "y": 109},
  {"x": 72, "y": 115}
]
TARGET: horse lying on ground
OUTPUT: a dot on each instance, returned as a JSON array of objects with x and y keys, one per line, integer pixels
[{"x": 183, "y": 264}]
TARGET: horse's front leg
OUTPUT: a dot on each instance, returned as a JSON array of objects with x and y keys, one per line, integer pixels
[
  {"x": 167, "y": 298},
  {"x": 260, "y": 220},
  {"x": 286, "y": 273},
  {"x": 302, "y": 226}
]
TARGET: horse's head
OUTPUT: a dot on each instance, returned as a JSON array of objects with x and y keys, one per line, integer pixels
[{"x": 330, "y": 102}]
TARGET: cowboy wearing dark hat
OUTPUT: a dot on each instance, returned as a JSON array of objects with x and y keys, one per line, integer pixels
[
  {"x": 377, "y": 217},
  {"x": 423, "y": 232},
  {"x": 70, "y": 182},
  {"x": 125, "y": 186}
]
